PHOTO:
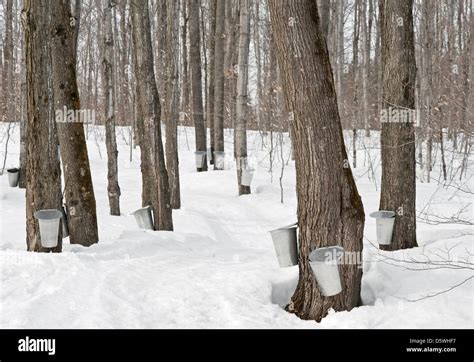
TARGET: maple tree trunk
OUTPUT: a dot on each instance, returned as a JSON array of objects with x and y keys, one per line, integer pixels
[
  {"x": 330, "y": 210},
  {"x": 43, "y": 172},
  {"x": 398, "y": 189},
  {"x": 113, "y": 188},
  {"x": 196, "y": 81},
  {"x": 79, "y": 191},
  {"x": 155, "y": 187}
]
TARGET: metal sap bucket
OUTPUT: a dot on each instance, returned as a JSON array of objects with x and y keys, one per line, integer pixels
[
  {"x": 325, "y": 265},
  {"x": 13, "y": 176},
  {"x": 64, "y": 223},
  {"x": 246, "y": 178},
  {"x": 219, "y": 160},
  {"x": 200, "y": 158},
  {"x": 384, "y": 223},
  {"x": 48, "y": 221},
  {"x": 286, "y": 247},
  {"x": 144, "y": 218}
]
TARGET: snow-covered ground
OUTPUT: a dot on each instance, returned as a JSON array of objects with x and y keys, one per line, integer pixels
[{"x": 218, "y": 269}]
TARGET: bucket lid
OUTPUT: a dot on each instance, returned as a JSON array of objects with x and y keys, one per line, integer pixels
[
  {"x": 141, "y": 209},
  {"x": 48, "y": 214},
  {"x": 200, "y": 152},
  {"x": 382, "y": 214},
  {"x": 13, "y": 170},
  {"x": 326, "y": 254}
]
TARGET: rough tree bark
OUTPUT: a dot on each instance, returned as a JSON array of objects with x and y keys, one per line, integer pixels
[
  {"x": 242, "y": 108},
  {"x": 43, "y": 172},
  {"x": 155, "y": 187},
  {"x": 398, "y": 189},
  {"x": 172, "y": 109},
  {"x": 324, "y": 7},
  {"x": 79, "y": 191},
  {"x": 219, "y": 78},
  {"x": 330, "y": 210},
  {"x": 196, "y": 80},
  {"x": 108, "y": 65}
]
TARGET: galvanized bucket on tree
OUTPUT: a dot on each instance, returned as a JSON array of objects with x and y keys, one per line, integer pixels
[
  {"x": 144, "y": 218},
  {"x": 219, "y": 159},
  {"x": 200, "y": 158},
  {"x": 325, "y": 265},
  {"x": 48, "y": 221},
  {"x": 64, "y": 223},
  {"x": 384, "y": 223},
  {"x": 13, "y": 176},
  {"x": 246, "y": 178},
  {"x": 286, "y": 247}
]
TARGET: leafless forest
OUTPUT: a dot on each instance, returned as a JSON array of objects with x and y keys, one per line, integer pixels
[{"x": 329, "y": 73}]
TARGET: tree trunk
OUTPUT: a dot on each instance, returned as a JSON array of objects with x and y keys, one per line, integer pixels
[
  {"x": 76, "y": 14},
  {"x": 469, "y": 74},
  {"x": 233, "y": 65},
  {"x": 23, "y": 121},
  {"x": 172, "y": 110},
  {"x": 228, "y": 67},
  {"x": 427, "y": 82},
  {"x": 79, "y": 191},
  {"x": 258, "y": 60},
  {"x": 339, "y": 46},
  {"x": 8, "y": 66},
  {"x": 196, "y": 81},
  {"x": 43, "y": 172},
  {"x": 219, "y": 78},
  {"x": 324, "y": 7},
  {"x": 398, "y": 190},
  {"x": 365, "y": 67},
  {"x": 355, "y": 72},
  {"x": 443, "y": 161},
  {"x": 155, "y": 187},
  {"x": 242, "y": 108},
  {"x": 113, "y": 188},
  {"x": 211, "y": 72},
  {"x": 185, "y": 79},
  {"x": 330, "y": 210}
]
